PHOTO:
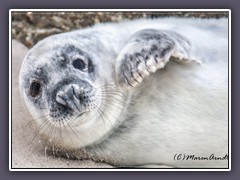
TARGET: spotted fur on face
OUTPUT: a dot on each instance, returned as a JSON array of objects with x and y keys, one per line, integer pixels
[{"x": 65, "y": 98}]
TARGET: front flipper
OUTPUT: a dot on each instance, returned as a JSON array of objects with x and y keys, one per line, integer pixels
[{"x": 147, "y": 51}]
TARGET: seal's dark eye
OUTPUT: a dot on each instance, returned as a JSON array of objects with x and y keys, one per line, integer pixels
[
  {"x": 35, "y": 89},
  {"x": 79, "y": 64}
]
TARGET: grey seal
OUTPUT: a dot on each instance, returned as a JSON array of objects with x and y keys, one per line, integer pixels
[{"x": 142, "y": 93}]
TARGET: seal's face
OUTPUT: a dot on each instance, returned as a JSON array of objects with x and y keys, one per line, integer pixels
[{"x": 66, "y": 94}]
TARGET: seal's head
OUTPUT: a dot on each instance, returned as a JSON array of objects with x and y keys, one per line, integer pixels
[{"x": 66, "y": 90}]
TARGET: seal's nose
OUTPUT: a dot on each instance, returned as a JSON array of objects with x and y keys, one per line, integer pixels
[{"x": 69, "y": 96}]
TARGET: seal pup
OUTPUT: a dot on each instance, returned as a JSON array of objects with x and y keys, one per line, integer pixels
[{"x": 143, "y": 93}]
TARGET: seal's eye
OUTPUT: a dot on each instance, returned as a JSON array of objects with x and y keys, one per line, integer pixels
[
  {"x": 35, "y": 89},
  {"x": 79, "y": 64}
]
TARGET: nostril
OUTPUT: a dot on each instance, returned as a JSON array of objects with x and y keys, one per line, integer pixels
[
  {"x": 76, "y": 91},
  {"x": 61, "y": 100},
  {"x": 73, "y": 92}
]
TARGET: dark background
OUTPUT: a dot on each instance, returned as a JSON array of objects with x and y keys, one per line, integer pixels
[{"x": 4, "y": 90}]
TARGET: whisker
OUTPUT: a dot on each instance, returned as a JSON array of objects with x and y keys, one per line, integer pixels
[
  {"x": 99, "y": 112},
  {"x": 103, "y": 113},
  {"x": 117, "y": 101},
  {"x": 67, "y": 133},
  {"x": 44, "y": 123},
  {"x": 72, "y": 128}
]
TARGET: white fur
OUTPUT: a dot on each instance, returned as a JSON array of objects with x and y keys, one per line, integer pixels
[{"x": 182, "y": 108}]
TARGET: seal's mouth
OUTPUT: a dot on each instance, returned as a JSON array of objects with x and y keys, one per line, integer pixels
[{"x": 81, "y": 114}]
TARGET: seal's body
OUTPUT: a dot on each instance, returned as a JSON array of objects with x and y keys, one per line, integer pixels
[{"x": 137, "y": 93}]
